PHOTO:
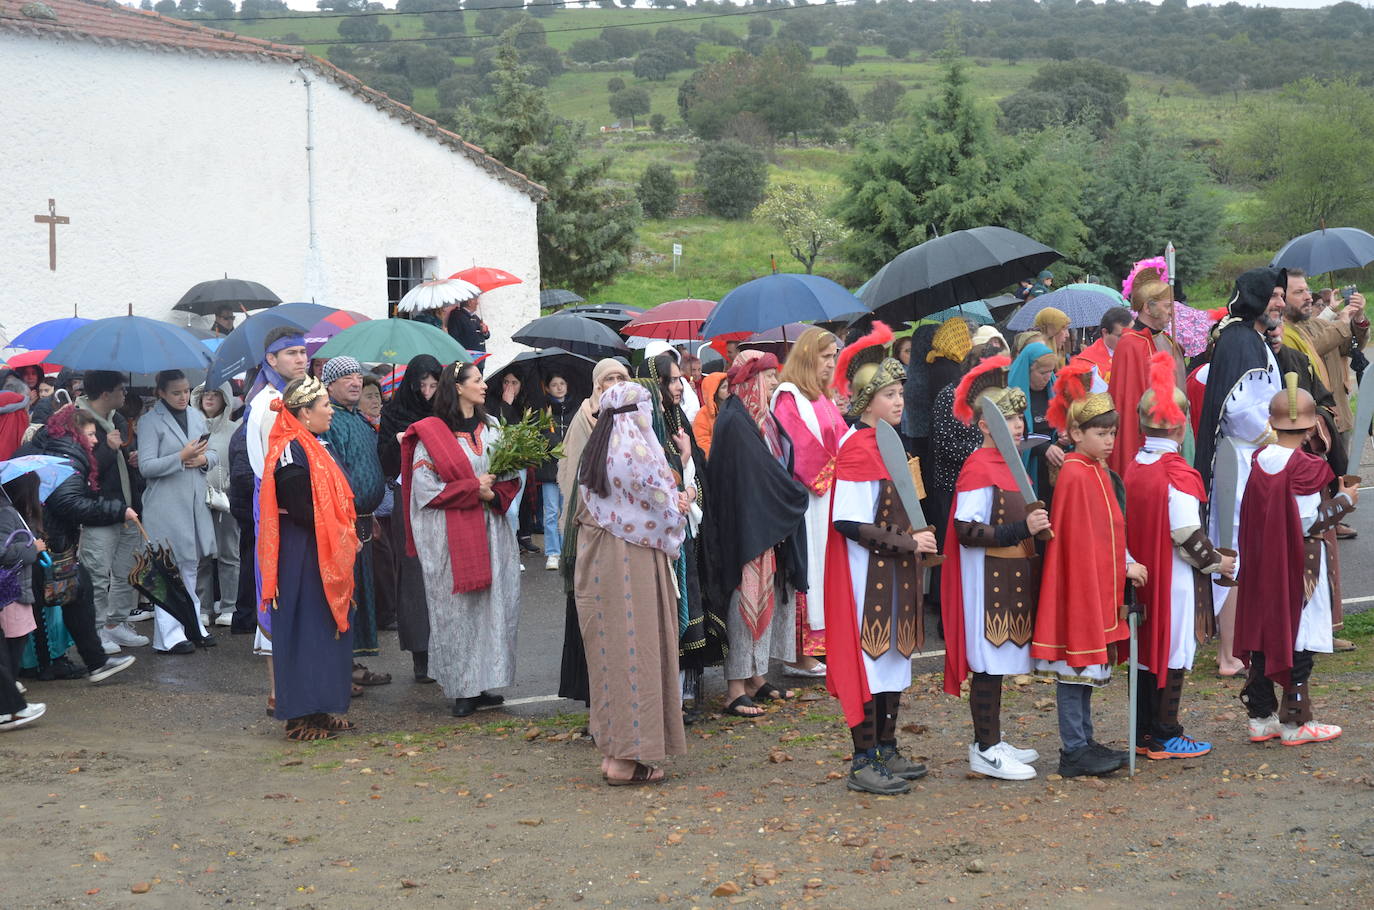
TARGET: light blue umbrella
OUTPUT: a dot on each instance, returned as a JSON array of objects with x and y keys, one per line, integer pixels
[
  {"x": 49, "y": 469},
  {"x": 777, "y": 300},
  {"x": 975, "y": 313},
  {"x": 1326, "y": 250},
  {"x": 1084, "y": 304}
]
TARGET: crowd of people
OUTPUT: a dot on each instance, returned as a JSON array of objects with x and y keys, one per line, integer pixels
[{"x": 749, "y": 515}]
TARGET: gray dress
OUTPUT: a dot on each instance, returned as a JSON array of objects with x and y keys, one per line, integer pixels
[{"x": 472, "y": 635}]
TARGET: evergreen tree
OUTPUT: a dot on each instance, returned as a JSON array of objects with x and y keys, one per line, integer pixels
[{"x": 586, "y": 228}]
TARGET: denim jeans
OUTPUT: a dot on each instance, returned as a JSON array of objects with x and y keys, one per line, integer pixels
[
  {"x": 513, "y": 513},
  {"x": 1075, "y": 715},
  {"x": 553, "y": 506}
]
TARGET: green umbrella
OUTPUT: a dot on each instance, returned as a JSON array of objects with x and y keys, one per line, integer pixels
[{"x": 393, "y": 341}]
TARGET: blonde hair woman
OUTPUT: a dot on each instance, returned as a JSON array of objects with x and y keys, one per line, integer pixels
[{"x": 802, "y": 406}]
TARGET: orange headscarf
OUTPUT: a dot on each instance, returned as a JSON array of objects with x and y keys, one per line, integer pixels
[
  {"x": 703, "y": 427},
  {"x": 336, "y": 532}
]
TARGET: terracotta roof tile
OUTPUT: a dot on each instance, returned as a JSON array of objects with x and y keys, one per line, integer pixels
[{"x": 110, "y": 22}]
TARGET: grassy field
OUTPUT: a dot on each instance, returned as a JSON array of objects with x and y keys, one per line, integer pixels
[{"x": 720, "y": 254}]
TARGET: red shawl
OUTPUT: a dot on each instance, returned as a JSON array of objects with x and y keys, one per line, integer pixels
[
  {"x": 1149, "y": 539},
  {"x": 468, "y": 554},
  {"x": 845, "y": 677},
  {"x": 1270, "y": 598},
  {"x": 336, "y": 529},
  {"x": 984, "y": 468},
  {"x": 1084, "y": 578},
  {"x": 1130, "y": 379}
]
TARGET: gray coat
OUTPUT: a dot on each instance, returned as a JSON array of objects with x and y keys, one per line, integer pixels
[{"x": 174, "y": 507}]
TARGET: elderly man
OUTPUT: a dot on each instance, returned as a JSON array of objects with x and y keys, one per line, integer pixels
[{"x": 354, "y": 444}]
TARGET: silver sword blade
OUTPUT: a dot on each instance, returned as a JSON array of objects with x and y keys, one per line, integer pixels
[
  {"x": 1006, "y": 445},
  {"x": 894, "y": 459}
]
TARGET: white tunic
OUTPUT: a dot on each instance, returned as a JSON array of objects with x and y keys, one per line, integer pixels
[
  {"x": 858, "y": 501},
  {"x": 1314, "y": 625},
  {"x": 1007, "y": 658},
  {"x": 1185, "y": 511}
]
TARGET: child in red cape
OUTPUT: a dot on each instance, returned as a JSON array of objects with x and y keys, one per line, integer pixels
[{"x": 1080, "y": 616}]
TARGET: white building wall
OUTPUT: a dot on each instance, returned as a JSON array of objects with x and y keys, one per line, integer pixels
[{"x": 176, "y": 168}]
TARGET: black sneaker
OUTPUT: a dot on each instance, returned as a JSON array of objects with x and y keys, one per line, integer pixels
[
  {"x": 487, "y": 700},
  {"x": 1107, "y": 752},
  {"x": 61, "y": 668},
  {"x": 1085, "y": 762}
]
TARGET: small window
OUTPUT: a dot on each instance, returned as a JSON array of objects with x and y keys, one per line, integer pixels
[{"x": 402, "y": 274}]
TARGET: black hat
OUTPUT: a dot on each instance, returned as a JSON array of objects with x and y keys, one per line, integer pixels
[{"x": 1250, "y": 298}]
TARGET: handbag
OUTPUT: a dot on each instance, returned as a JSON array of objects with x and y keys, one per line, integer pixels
[
  {"x": 11, "y": 576},
  {"x": 217, "y": 500},
  {"x": 61, "y": 585}
]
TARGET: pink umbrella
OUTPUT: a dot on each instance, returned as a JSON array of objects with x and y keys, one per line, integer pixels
[
  {"x": 319, "y": 334},
  {"x": 1190, "y": 328}
]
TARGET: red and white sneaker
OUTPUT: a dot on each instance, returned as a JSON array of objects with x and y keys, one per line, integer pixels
[
  {"x": 1263, "y": 729},
  {"x": 1310, "y": 732}
]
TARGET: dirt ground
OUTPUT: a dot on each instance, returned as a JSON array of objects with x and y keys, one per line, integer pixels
[{"x": 214, "y": 808}]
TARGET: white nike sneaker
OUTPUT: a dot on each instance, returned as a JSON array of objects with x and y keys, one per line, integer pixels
[
  {"x": 1024, "y": 756},
  {"x": 1263, "y": 729},
  {"x": 995, "y": 762}
]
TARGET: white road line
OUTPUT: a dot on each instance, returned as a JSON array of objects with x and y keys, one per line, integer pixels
[
  {"x": 1357, "y": 600},
  {"x": 530, "y": 700}
]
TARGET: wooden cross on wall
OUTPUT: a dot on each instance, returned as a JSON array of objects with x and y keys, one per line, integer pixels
[{"x": 52, "y": 220}]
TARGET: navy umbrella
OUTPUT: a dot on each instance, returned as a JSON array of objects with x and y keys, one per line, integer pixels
[
  {"x": 953, "y": 269},
  {"x": 574, "y": 334},
  {"x": 207, "y": 297},
  {"x": 1327, "y": 250},
  {"x": 244, "y": 347},
  {"x": 777, "y": 300},
  {"x": 130, "y": 344}
]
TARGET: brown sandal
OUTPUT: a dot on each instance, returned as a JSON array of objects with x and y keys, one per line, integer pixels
[
  {"x": 271, "y": 705},
  {"x": 642, "y": 774},
  {"x": 301, "y": 730},
  {"x": 362, "y": 676},
  {"x": 332, "y": 723}
]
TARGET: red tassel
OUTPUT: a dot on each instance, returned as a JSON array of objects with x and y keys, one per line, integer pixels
[
  {"x": 1166, "y": 411},
  {"x": 1072, "y": 385},
  {"x": 880, "y": 335},
  {"x": 963, "y": 410}
]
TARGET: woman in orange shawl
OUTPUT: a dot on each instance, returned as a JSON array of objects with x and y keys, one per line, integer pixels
[
  {"x": 715, "y": 388},
  {"x": 307, "y": 526}
]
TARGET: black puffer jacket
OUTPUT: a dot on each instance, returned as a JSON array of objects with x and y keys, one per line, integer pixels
[
  {"x": 241, "y": 477},
  {"x": 73, "y": 503}
]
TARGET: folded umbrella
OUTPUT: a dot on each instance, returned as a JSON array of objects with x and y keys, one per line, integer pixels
[
  {"x": 949, "y": 270},
  {"x": 1326, "y": 250},
  {"x": 130, "y": 344},
  {"x": 393, "y": 341},
  {"x": 155, "y": 575},
  {"x": 1084, "y": 304},
  {"x": 207, "y": 297},
  {"x": 574, "y": 334},
  {"x": 775, "y": 300}
]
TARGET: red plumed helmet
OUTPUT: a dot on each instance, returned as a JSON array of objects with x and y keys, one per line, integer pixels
[
  {"x": 964, "y": 393},
  {"x": 878, "y": 339},
  {"x": 1160, "y": 406},
  {"x": 1073, "y": 383}
]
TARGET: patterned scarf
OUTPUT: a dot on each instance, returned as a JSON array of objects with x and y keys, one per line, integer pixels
[
  {"x": 336, "y": 533},
  {"x": 750, "y": 394}
]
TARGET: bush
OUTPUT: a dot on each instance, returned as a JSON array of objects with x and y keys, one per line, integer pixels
[
  {"x": 615, "y": 84},
  {"x": 658, "y": 123},
  {"x": 732, "y": 177},
  {"x": 657, "y": 191}
]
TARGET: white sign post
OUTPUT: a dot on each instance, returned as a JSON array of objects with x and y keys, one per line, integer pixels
[{"x": 677, "y": 256}]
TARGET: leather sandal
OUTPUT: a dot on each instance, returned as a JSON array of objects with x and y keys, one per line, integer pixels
[
  {"x": 643, "y": 774},
  {"x": 744, "y": 701}
]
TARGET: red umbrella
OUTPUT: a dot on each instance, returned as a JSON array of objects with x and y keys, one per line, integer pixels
[
  {"x": 32, "y": 359},
  {"x": 331, "y": 325},
  {"x": 486, "y": 278},
  {"x": 674, "y": 319}
]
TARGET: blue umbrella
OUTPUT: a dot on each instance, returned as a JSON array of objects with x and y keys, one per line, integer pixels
[
  {"x": 975, "y": 313},
  {"x": 303, "y": 314},
  {"x": 1326, "y": 251},
  {"x": 49, "y": 469},
  {"x": 47, "y": 335},
  {"x": 1084, "y": 304},
  {"x": 130, "y": 344},
  {"x": 776, "y": 300},
  {"x": 243, "y": 348}
]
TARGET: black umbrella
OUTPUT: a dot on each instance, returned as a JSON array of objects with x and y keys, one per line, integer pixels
[
  {"x": 949, "y": 270},
  {"x": 614, "y": 315},
  {"x": 554, "y": 298},
  {"x": 1327, "y": 250},
  {"x": 534, "y": 369},
  {"x": 208, "y": 296},
  {"x": 156, "y": 577},
  {"x": 574, "y": 334}
]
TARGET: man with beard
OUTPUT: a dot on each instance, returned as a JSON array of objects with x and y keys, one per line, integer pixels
[
  {"x": 1240, "y": 381},
  {"x": 1326, "y": 342}
]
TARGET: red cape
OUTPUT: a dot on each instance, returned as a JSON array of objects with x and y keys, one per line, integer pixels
[
  {"x": 845, "y": 677},
  {"x": 1148, "y": 538},
  {"x": 1084, "y": 574},
  {"x": 984, "y": 468},
  {"x": 1270, "y": 598},
  {"x": 1100, "y": 356},
  {"x": 1196, "y": 391},
  {"x": 1130, "y": 379}
]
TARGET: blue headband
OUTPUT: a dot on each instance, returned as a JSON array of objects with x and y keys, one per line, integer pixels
[{"x": 286, "y": 341}]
